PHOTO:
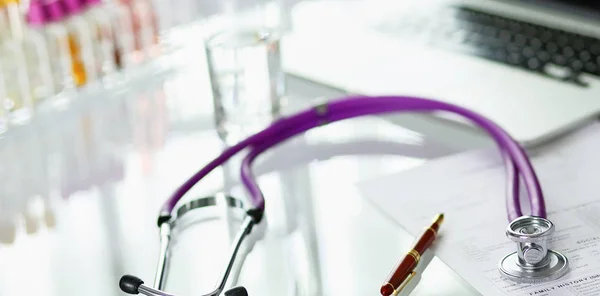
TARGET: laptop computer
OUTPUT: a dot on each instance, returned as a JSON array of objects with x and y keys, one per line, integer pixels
[{"x": 532, "y": 66}]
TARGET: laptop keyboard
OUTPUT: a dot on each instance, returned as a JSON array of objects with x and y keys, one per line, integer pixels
[{"x": 550, "y": 52}]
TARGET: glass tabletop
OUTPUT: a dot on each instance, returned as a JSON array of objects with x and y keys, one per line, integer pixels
[{"x": 83, "y": 188}]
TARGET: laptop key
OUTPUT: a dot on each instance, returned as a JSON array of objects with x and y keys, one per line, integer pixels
[
  {"x": 521, "y": 40},
  {"x": 490, "y": 31},
  {"x": 591, "y": 67},
  {"x": 543, "y": 56},
  {"x": 530, "y": 31},
  {"x": 546, "y": 35},
  {"x": 578, "y": 44},
  {"x": 576, "y": 65},
  {"x": 490, "y": 42},
  {"x": 551, "y": 47},
  {"x": 557, "y": 71},
  {"x": 513, "y": 47},
  {"x": 533, "y": 64},
  {"x": 535, "y": 43},
  {"x": 584, "y": 56},
  {"x": 506, "y": 36},
  {"x": 562, "y": 40},
  {"x": 595, "y": 49},
  {"x": 559, "y": 60},
  {"x": 568, "y": 52},
  {"x": 528, "y": 52},
  {"x": 515, "y": 26},
  {"x": 500, "y": 23},
  {"x": 515, "y": 58}
]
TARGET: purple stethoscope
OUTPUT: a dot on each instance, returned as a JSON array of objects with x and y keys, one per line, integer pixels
[{"x": 532, "y": 262}]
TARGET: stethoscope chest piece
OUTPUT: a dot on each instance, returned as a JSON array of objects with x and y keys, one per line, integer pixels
[{"x": 533, "y": 262}]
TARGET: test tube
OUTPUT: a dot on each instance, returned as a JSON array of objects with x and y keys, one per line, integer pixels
[
  {"x": 37, "y": 53},
  {"x": 4, "y": 32},
  {"x": 123, "y": 33},
  {"x": 3, "y": 115},
  {"x": 68, "y": 70},
  {"x": 99, "y": 21},
  {"x": 33, "y": 47},
  {"x": 81, "y": 44},
  {"x": 18, "y": 101},
  {"x": 144, "y": 28}
]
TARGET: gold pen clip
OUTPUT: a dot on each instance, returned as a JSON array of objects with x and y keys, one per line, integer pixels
[{"x": 405, "y": 283}]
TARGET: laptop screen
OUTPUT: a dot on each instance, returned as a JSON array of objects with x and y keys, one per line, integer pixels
[
  {"x": 583, "y": 7},
  {"x": 587, "y": 4}
]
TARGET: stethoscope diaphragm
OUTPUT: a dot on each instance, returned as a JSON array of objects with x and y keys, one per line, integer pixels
[{"x": 533, "y": 262}]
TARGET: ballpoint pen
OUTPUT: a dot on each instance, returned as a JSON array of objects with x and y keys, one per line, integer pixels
[{"x": 404, "y": 272}]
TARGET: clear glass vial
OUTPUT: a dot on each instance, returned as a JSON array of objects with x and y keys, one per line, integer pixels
[
  {"x": 123, "y": 33},
  {"x": 32, "y": 43},
  {"x": 67, "y": 70},
  {"x": 145, "y": 28},
  {"x": 81, "y": 44},
  {"x": 99, "y": 21},
  {"x": 3, "y": 95},
  {"x": 17, "y": 102}
]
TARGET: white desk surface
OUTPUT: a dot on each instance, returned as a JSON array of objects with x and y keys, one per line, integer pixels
[{"x": 104, "y": 173}]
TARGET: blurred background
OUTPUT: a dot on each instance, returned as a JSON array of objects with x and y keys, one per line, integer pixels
[{"x": 109, "y": 105}]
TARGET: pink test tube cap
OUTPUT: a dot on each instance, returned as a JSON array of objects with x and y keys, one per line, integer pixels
[
  {"x": 36, "y": 14},
  {"x": 92, "y": 2},
  {"x": 55, "y": 10},
  {"x": 73, "y": 6}
]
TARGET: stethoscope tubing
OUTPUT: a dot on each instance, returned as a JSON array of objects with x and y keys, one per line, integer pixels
[
  {"x": 513, "y": 204},
  {"x": 247, "y": 175},
  {"x": 364, "y": 105}
]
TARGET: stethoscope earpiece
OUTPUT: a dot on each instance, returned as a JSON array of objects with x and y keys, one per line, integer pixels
[
  {"x": 533, "y": 262},
  {"x": 237, "y": 291},
  {"x": 134, "y": 285},
  {"x": 130, "y": 284}
]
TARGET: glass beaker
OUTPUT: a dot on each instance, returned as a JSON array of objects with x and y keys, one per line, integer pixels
[{"x": 244, "y": 64}]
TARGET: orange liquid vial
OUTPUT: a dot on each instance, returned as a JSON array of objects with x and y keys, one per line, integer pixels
[{"x": 77, "y": 66}]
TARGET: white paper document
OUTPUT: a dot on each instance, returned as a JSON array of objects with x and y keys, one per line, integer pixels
[{"x": 470, "y": 189}]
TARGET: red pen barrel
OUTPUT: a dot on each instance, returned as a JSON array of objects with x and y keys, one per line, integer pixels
[
  {"x": 405, "y": 267},
  {"x": 399, "y": 274},
  {"x": 426, "y": 240}
]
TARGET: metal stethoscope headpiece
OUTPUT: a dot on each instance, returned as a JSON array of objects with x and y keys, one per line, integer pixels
[
  {"x": 133, "y": 285},
  {"x": 533, "y": 262}
]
